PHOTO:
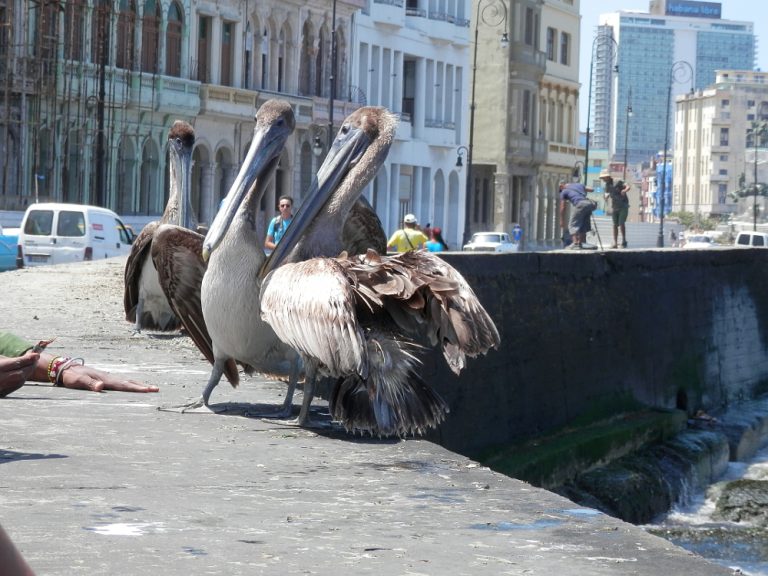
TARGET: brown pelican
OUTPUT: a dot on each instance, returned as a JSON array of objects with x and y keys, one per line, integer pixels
[
  {"x": 214, "y": 282},
  {"x": 359, "y": 319},
  {"x": 143, "y": 298}
]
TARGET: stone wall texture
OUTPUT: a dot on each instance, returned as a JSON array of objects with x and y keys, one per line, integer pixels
[{"x": 587, "y": 335}]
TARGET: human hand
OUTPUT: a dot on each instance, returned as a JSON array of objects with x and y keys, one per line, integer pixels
[{"x": 14, "y": 372}]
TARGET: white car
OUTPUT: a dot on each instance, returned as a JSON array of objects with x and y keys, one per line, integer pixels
[
  {"x": 490, "y": 242},
  {"x": 697, "y": 241}
]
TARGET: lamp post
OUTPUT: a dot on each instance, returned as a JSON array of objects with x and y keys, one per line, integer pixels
[
  {"x": 491, "y": 16},
  {"x": 332, "y": 77},
  {"x": 758, "y": 128},
  {"x": 601, "y": 41},
  {"x": 626, "y": 133},
  {"x": 677, "y": 73}
]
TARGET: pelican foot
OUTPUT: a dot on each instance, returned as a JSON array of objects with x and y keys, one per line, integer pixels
[
  {"x": 309, "y": 424},
  {"x": 197, "y": 406}
]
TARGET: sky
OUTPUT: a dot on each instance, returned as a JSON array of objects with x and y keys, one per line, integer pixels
[{"x": 746, "y": 10}]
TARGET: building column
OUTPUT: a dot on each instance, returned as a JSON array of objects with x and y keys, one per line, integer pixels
[
  {"x": 215, "y": 63},
  {"x": 208, "y": 202}
]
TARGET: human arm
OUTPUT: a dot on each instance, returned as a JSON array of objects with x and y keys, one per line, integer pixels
[
  {"x": 22, "y": 363},
  {"x": 11, "y": 560},
  {"x": 269, "y": 243},
  {"x": 392, "y": 242}
]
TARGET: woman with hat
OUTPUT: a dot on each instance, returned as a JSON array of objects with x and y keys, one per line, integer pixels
[
  {"x": 617, "y": 192},
  {"x": 409, "y": 237}
]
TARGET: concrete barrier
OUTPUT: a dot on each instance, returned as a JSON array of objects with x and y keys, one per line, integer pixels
[{"x": 586, "y": 335}]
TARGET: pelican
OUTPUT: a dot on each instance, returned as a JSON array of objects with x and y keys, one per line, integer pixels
[
  {"x": 363, "y": 320},
  {"x": 213, "y": 282},
  {"x": 144, "y": 301}
]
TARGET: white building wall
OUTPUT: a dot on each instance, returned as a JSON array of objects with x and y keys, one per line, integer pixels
[{"x": 421, "y": 166}]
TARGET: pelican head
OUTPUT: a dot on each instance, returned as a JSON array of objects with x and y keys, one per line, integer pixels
[
  {"x": 181, "y": 140},
  {"x": 357, "y": 153},
  {"x": 274, "y": 124}
]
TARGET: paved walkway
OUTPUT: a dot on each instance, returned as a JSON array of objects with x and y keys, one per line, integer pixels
[{"x": 106, "y": 484}]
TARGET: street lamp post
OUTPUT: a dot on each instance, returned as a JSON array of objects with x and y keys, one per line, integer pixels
[
  {"x": 491, "y": 16},
  {"x": 332, "y": 77},
  {"x": 626, "y": 133},
  {"x": 677, "y": 73},
  {"x": 758, "y": 128},
  {"x": 601, "y": 41}
]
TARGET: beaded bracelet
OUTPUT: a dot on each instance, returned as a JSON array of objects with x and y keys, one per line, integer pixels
[
  {"x": 53, "y": 367},
  {"x": 63, "y": 366}
]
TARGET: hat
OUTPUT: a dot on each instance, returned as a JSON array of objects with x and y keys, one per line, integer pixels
[
  {"x": 410, "y": 219},
  {"x": 604, "y": 174}
]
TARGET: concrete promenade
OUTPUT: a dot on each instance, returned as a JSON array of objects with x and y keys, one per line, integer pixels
[{"x": 97, "y": 484}]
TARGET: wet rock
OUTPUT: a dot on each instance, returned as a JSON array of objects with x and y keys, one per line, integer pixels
[{"x": 744, "y": 501}]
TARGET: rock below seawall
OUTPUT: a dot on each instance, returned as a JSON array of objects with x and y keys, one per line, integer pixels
[{"x": 744, "y": 501}]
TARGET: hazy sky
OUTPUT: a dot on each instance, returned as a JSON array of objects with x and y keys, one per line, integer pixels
[{"x": 746, "y": 10}]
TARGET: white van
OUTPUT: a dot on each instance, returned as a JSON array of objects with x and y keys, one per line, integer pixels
[
  {"x": 55, "y": 233},
  {"x": 751, "y": 240}
]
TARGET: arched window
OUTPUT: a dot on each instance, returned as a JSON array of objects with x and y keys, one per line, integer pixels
[
  {"x": 305, "y": 63},
  {"x": 173, "y": 40},
  {"x": 100, "y": 31},
  {"x": 74, "y": 28},
  {"x": 150, "y": 36},
  {"x": 126, "y": 24},
  {"x": 319, "y": 57}
]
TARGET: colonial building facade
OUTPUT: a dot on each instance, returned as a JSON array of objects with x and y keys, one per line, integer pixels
[{"x": 91, "y": 87}]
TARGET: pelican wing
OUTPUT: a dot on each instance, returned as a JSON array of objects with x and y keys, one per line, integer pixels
[
  {"x": 427, "y": 297},
  {"x": 362, "y": 230},
  {"x": 177, "y": 254},
  {"x": 140, "y": 251},
  {"x": 311, "y": 307}
]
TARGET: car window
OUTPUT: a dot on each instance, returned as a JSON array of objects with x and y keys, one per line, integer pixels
[
  {"x": 125, "y": 236},
  {"x": 486, "y": 238},
  {"x": 743, "y": 239},
  {"x": 758, "y": 241},
  {"x": 71, "y": 223},
  {"x": 39, "y": 223}
]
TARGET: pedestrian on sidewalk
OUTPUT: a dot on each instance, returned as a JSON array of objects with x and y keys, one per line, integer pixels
[
  {"x": 578, "y": 225},
  {"x": 617, "y": 192}
]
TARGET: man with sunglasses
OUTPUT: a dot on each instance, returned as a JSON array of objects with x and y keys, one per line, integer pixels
[{"x": 279, "y": 223}]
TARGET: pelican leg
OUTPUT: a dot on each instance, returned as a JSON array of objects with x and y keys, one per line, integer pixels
[
  {"x": 139, "y": 312},
  {"x": 200, "y": 405},
  {"x": 287, "y": 407}
]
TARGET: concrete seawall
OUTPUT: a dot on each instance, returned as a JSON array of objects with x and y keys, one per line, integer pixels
[
  {"x": 586, "y": 335},
  {"x": 105, "y": 484}
]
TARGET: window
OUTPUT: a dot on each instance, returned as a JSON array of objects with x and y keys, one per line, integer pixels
[
  {"x": 70, "y": 223},
  {"x": 126, "y": 23},
  {"x": 750, "y": 103},
  {"x": 723, "y": 172},
  {"x": 173, "y": 41},
  {"x": 227, "y": 46},
  {"x": 723, "y": 157},
  {"x": 723, "y": 136},
  {"x": 551, "y": 35},
  {"x": 725, "y": 103},
  {"x": 39, "y": 223},
  {"x": 203, "y": 49},
  {"x": 565, "y": 48},
  {"x": 529, "y": 26},
  {"x": 150, "y": 36}
]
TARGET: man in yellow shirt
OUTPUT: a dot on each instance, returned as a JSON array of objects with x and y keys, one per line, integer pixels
[{"x": 409, "y": 237}]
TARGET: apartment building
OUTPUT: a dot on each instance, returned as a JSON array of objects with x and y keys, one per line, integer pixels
[
  {"x": 91, "y": 89},
  {"x": 720, "y": 144}
]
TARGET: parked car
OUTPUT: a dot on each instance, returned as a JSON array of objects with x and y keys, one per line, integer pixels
[
  {"x": 697, "y": 241},
  {"x": 751, "y": 240},
  {"x": 55, "y": 233},
  {"x": 8, "y": 241},
  {"x": 490, "y": 242}
]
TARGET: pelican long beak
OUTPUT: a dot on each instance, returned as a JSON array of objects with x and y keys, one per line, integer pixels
[
  {"x": 266, "y": 147},
  {"x": 182, "y": 161},
  {"x": 347, "y": 149}
]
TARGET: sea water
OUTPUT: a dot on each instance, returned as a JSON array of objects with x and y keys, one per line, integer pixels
[{"x": 731, "y": 544}]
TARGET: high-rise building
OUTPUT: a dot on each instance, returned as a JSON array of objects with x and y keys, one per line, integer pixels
[{"x": 649, "y": 45}]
